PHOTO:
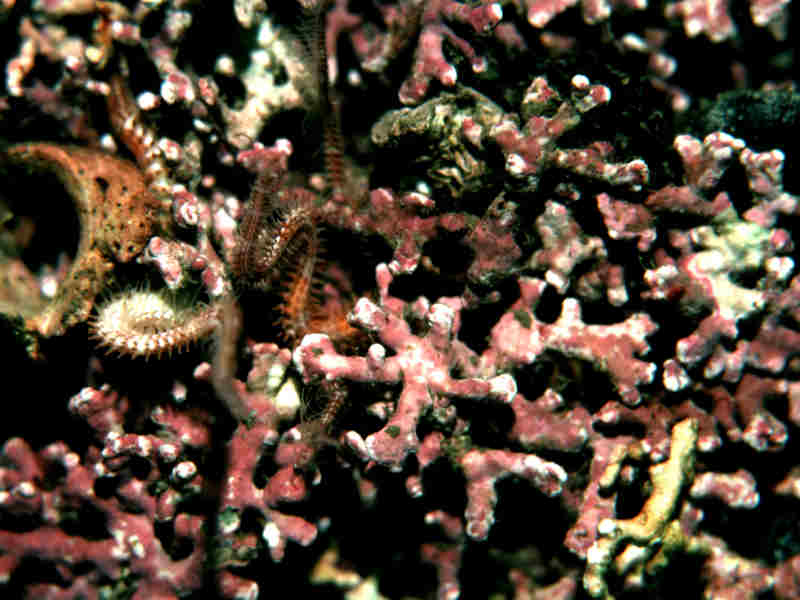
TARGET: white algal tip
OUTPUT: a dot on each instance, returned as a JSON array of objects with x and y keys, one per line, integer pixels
[
  {"x": 504, "y": 387},
  {"x": 271, "y": 535},
  {"x": 580, "y": 82}
]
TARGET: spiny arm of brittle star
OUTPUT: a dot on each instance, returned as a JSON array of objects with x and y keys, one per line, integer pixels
[
  {"x": 298, "y": 302},
  {"x": 247, "y": 258},
  {"x": 138, "y": 137}
]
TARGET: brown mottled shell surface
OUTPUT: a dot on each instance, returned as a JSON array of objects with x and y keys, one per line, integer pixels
[{"x": 117, "y": 214}]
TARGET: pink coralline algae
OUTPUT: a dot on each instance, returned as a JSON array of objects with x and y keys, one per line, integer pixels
[
  {"x": 533, "y": 148},
  {"x": 519, "y": 337},
  {"x": 428, "y": 23},
  {"x": 540, "y": 12},
  {"x": 713, "y": 18},
  {"x": 402, "y": 299},
  {"x": 421, "y": 363},
  {"x": 131, "y": 515}
]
